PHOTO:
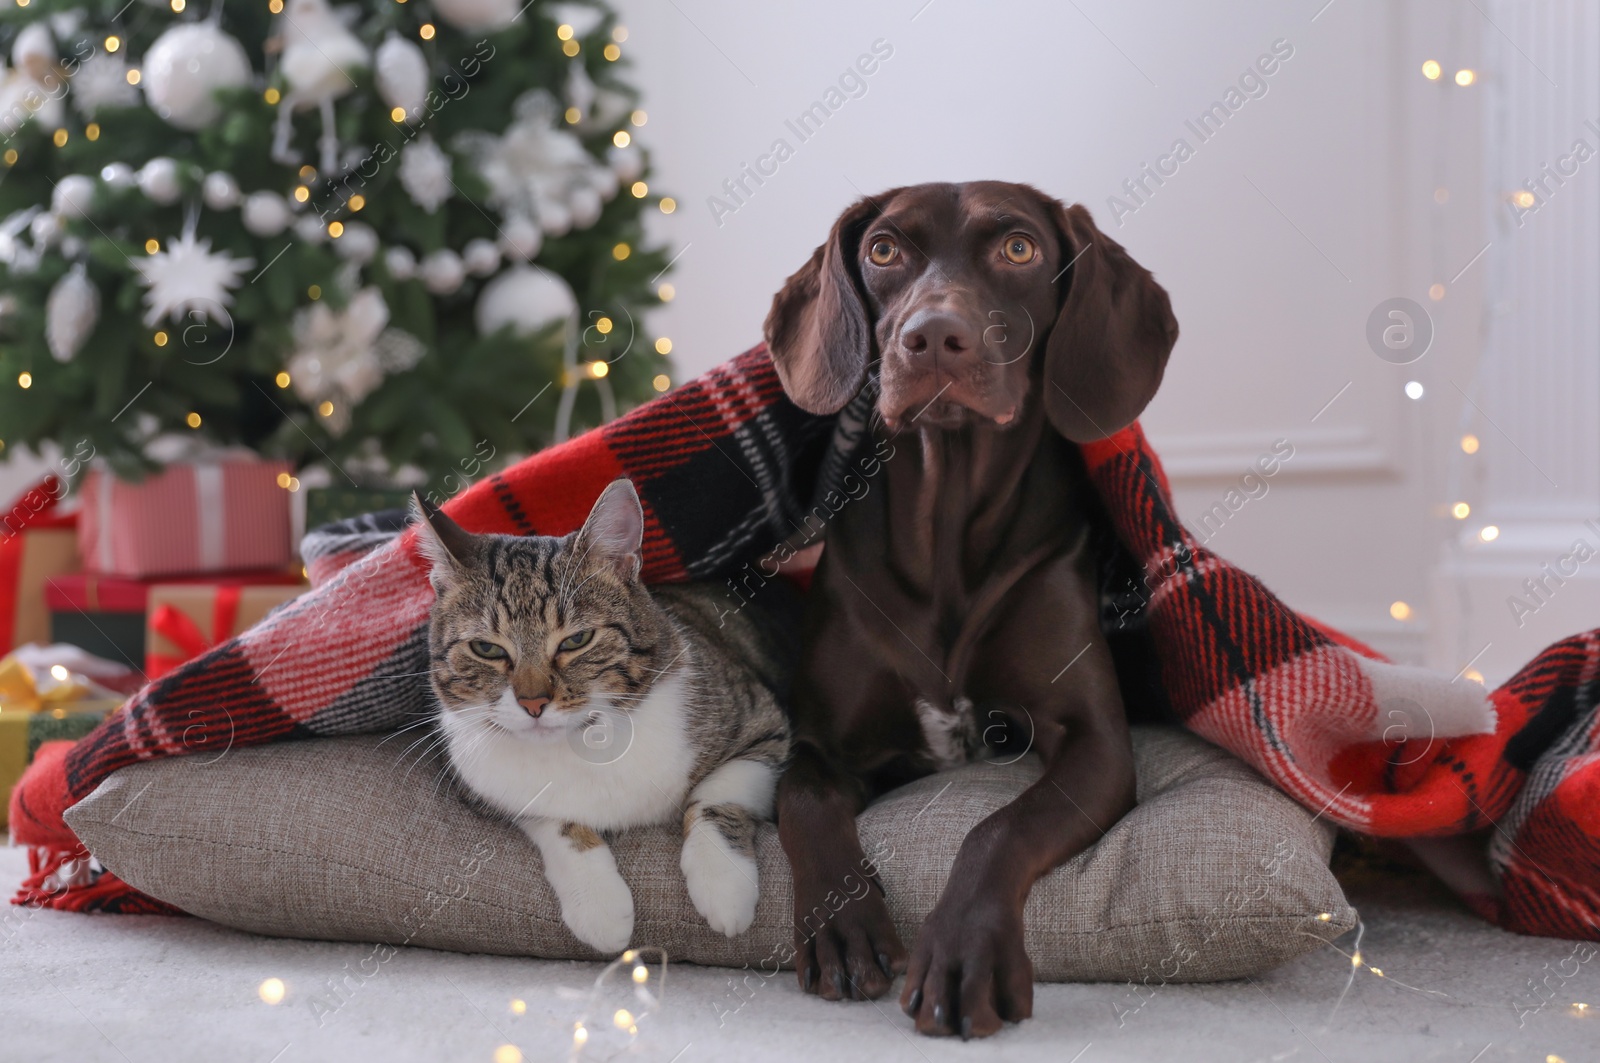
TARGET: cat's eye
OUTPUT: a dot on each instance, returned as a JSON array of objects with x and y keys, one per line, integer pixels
[
  {"x": 882, "y": 251},
  {"x": 489, "y": 651},
  {"x": 1019, "y": 250},
  {"x": 577, "y": 641}
]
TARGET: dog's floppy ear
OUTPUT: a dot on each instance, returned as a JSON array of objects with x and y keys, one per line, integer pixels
[
  {"x": 1111, "y": 339},
  {"x": 817, "y": 330}
]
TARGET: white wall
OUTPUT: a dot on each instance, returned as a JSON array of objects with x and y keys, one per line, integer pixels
[{"x": 1279, "y": 236}]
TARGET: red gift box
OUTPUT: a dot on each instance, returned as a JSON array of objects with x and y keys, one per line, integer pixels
[
  {"x": 194, "y": 517},
  {"x": 92, "y": 593},
  {"x": 35, "y": 545}
]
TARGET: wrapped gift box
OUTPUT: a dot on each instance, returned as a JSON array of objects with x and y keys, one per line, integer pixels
[
  {"x": 106, "y": 615},
  {"x": 195, "y": 517},
  {"x": 36, "y": 544},
  {"x": 36, "y": 707},
  {"x": 187, "y": 619}
]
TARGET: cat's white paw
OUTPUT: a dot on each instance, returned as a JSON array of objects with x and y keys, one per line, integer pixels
[
  {"x": 599, "y": 909},
  {"x": 721, "y": 881}
]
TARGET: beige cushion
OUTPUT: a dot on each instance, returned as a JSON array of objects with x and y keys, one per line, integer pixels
[{"x": 1214, "y": 875}]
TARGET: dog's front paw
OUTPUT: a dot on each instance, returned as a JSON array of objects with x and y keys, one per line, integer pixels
[
  {"x": 599, "y": 909},
  {"x": 721, "y": 880}
]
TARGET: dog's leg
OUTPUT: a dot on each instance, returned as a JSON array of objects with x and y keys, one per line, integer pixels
[{"x": 846, "y": 946}]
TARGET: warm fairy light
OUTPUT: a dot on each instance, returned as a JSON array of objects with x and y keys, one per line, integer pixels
[
  {"x": 1461, "y": 511},
  {"x": 663, "y": 346},
  {"x": 60, "y": 138},
  {"x": 336, "y": 229},
  {"x": 1489, "y": 533},
  {"x": 294, "y": 485},
  {"x": 508, "y": 1054},
  {"x": 24, "y": 380},
  {"x": 1324, "y": 917},
  {"x": 178, "y": 5},
  {"x": 301, "y": 193},
  {"x": 621, "y": 139},
  {"x": 1580, "y": 1008},
  {"x": 272, "y": 96},
  {"x": 519, "y": 1007},
  {"x": 326, "y": 408},
  {"x": 1355, "y": 959},
  {"x": 574, "y": 116},
  {"x": 661, "y": 383},
  {"x": 161, "y": 339},
  {"x": 282, "y": 380},
  {"x": 1431, "y": 70},
  {"x": 1436, "y": 292},
  {"x": 668, "y": 204},
  {"x": 275, "y": 6},
  {"x": 627, "y": 957},
  {"x": 604, "y": 326},
  {"x": 1469, "y": 444},
  {"x": 621, "y": 251},
  {"x": 639, "y": 189},
  {"x": 1400, "y": 611},
  {"x": 92, "y": 130},
  {"x": 622, "y": 1019},
  {"x": 283, "y": 480},
  {"x": 580, "y": 1036},
  {"x": 569, "y": 48},
  {"x": 598, "y": 369},
  {"x": 1377, "y": 971},
  {"x": 1473, "y": 676},
  {"x": 113, "y": 42},
  {"x": 619, "y": 34},
  {"x": 1523, "y": 198},
  {"x": 357, "y": 202},
  {"x": 193, "y": 420},
  {"x": 315, "y": 291},
  {"x": 1553, "y": 1058},
  {"x": 564, "y": 32},
  {"x": 641, "y": 975},
  {"x": 397, "y": 115},
  {"x": 666, "y": 292},
  {"x": 426, "y": 32},
  {"x": 638, "y": 118},
  {"x": 612, "y": 53},
  {"x": 1414, "y": 389},
  {"x": 1465, "y": 77},
  {"x": 11, "y": 156},
  {"x": 133, "y": 76},
  {"x": 271, "y": 990},
  {"x": 308, "y": 173},
  {"x": 151, "y": 246},
  {"x": 59, "y": 673}
]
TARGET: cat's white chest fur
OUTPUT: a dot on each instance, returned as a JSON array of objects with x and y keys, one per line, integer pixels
[{"x": 643, "y": 779}]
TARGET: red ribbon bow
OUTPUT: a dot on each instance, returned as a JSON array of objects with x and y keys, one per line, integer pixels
[{"x": 179, "y": 629}]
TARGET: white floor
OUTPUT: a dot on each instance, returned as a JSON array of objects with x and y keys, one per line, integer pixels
[{"x": 137, "y": 989}]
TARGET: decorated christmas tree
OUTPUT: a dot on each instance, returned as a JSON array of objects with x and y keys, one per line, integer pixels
[{"x": 393, "y": 233}]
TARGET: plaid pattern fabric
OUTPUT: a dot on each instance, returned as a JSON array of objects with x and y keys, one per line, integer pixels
[{"x": 727, "y": 468}]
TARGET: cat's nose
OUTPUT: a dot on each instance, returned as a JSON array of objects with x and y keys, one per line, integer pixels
[{"x": 534, "y": 706}]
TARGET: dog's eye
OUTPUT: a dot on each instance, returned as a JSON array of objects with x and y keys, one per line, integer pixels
[
  {"x": 1019, "y": 250},
  {"x": 489, "y": 651},
  {"x": 578, "y": 641},
  {"x": 883, "y": 251}
]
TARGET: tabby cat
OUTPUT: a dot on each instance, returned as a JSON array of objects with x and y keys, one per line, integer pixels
[{"x": 575, "y": 701}]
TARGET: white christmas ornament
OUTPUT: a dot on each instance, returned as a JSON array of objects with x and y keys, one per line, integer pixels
[
  {"x": 32, "y": 88},
  {"x": 185, "y": 68},
  {"x": 72, "y": 196},
  {"x": 585, "y": 206},
  {"x": 220, "y": 191},
  {"x": 102, "y": 81},
  {"x": 400, "y": 262},
  {"x": 580, "y": 88},
  {"x": 358, "y": 244},
  {"x": 70, "y": 313},
  {"x": 481, "y": 257},
  {"x": 526, "y": 299},
  {"x": 158, "y": 179},
  {"x": 309, "y": 228},
  {"x": 342, "y": 355},
  {"x": 402, "y": 74},
  {"x": 520, "y": 238},
  {"x": 189, "y": 276},
  {"x": 318, "y": 59},
  {"x": 474, "y": 15},
  {"x": 34, "y": 51},
  {"x": 442, "y": 272},
  {"x": 627, "y": 163},
  {"x": 265, "y": 213},
  {"x": 118, "y": 175},
  {"x": 534, "y": 168},
  {"x": 44, "y": 228},
  {"x": 425, "y": 173}
]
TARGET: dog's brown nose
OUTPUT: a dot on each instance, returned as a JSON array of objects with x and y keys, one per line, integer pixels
[
  {"x": 937, "y": 332},
  {"x": 534, "y": 706}
]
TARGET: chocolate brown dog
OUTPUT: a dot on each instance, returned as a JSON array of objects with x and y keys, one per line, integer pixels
[{"x": 955, "y": 607}]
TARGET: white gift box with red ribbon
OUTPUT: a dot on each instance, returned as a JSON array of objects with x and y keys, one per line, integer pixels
[{"x": 193, "y": 517}]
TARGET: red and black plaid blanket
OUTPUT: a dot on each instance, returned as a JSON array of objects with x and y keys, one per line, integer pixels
[{"x": 727, "y": 469}]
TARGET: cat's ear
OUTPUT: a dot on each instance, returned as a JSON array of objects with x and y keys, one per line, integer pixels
[
  {"x": 445, "y": 544},
  {"x": 614, "y": 532}
]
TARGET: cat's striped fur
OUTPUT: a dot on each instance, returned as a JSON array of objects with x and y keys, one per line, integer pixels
[{"x": 575, "y": 701}]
